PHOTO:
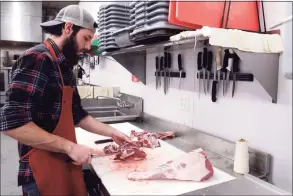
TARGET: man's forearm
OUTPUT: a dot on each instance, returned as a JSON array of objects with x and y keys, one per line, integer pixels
[
  {"x": 92, "y": 125},
  {"x": 32, "y": 135}
]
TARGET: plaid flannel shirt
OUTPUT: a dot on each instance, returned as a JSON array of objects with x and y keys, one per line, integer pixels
[{"x": 35, "y": 96}]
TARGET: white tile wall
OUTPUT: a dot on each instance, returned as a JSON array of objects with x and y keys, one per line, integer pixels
[{"x": 250, "y": 114}]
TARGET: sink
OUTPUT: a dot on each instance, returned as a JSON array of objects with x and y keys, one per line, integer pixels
[
  {"x": 111, "y": 115},
  {"x": 108, "y": 110},
  {"x": 98, "y": 114}
]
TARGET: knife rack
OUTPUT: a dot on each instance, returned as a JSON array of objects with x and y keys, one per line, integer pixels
[
  {"x": 247, "y": 77},
  {"x": 172, "y": 74}
]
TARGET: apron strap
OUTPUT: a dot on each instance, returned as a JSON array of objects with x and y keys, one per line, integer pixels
[{"x": 54, "y": 58}]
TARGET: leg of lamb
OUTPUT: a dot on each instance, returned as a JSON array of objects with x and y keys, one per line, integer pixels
[{"x": 193, "y": 166}]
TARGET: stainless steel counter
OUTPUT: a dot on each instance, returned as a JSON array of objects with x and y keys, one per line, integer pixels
[{"x": 250, "y": 184}]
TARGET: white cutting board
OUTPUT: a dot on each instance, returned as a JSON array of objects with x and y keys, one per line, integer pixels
[{"x": 113, "y": 174}]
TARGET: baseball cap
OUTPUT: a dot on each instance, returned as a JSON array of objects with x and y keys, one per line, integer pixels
[{"x": 75, "y": 14}]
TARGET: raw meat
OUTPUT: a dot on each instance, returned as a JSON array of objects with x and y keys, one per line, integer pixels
[
  {"x": 134, "y": 151},
  {"x": 193, "y": 166}
]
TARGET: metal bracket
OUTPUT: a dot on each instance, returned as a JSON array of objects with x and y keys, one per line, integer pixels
[{"x": 134, "y": 62}]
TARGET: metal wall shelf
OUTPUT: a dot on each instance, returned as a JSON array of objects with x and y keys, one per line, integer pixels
[{"x": 264, "y": 67}]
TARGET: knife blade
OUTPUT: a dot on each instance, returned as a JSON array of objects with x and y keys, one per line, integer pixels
[
  {"x": 157, "y": 72},
  {"x": 180, "y": 68}
]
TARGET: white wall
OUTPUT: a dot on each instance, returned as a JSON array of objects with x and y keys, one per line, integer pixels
[{"x": 250, "y": 114}]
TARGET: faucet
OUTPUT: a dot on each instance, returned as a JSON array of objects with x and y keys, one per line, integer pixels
[{"x": 120, "y": 103}]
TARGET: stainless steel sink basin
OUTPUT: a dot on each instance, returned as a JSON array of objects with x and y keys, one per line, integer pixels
[
  {"x": 98, "y": 114},
  {"x": 111, "y": 116},
  {"x": 109, "y": 109}
]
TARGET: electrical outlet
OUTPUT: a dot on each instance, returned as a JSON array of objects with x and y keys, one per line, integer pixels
[{"x": 184, "y": 105}]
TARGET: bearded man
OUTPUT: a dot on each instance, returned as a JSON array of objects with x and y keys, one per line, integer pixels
[{"x": 43, "y": 108}]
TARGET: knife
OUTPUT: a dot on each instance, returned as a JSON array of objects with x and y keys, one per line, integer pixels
[
  {"x": 92, "y": 156},
  {"x": 204, "y": 67},
  {"x": 209, "y": 67},
  {"x": 224, "y": 68},
  {"x": 161, "y": 69},
  {"x": 229, "y": 67},
  {"x": 235, "y": 70},
  {"x": 216, "y": 83},
  {"x": 199, "y": 68},
  {"x": 157, "y": 72},
  {"x": 219, "y": 66},
  {"x": 165, "y": 72},
  {"x": 180, "y": 68},
  {"x": 169, "y": 66}
]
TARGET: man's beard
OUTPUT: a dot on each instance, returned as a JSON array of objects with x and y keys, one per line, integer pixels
[{"x": 70, "y": 51}]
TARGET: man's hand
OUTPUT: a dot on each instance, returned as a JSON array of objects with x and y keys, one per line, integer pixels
[
  {"x": 120, "y": 137},
  {"x": 81, "y": 154}
]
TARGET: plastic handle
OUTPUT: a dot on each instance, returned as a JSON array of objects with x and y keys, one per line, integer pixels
[
  {"x": 166, "y": 59},
  {"x": 162, "y": 62},
  {"x": 210, "y": 60},
  {"x": 179, "y": 62},
  {"x": 226, "y": 59},
  {"x": 157, "y": 63},
  {"x": 169, "y": 60},
  {"x": 199, "y": 61},
  {"x": 236, "y": 61}
]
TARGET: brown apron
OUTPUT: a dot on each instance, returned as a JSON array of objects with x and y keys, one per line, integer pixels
[{"x": 53, "y": 175}]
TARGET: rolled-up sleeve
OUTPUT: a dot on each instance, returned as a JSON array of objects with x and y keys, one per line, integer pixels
[
  {"x": 28, "y": 81},
  {"x": 78, "y": 112}
]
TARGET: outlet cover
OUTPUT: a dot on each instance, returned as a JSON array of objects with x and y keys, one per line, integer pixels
[{"x": 184, "y": 104}]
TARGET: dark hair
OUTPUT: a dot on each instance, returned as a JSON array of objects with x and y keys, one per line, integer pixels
[{"x": 57, "y": 29}]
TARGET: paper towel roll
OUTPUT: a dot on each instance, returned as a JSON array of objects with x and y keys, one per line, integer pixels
[{"x": 241, "y": 158}]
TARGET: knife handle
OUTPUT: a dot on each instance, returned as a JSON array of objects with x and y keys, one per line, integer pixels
[
  {"x": 165, "y": 59},
  {"x": 179, "y": 62},
  {"x": 210, "y": 60},
  {"x": 157, "y": 63},
  {"x": 199, "y": 61},
  {"x": 226, "y": 59},
  {"x": 214, "y": 91},
  {"x": 235, "y": 67},
  {"x": 162, "y": 63},
  {"x": 169, "y": 60}
]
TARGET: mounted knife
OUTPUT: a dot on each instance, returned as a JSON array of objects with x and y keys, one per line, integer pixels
[
  {"x": 199, "y": 68},
  {"x": 224, "y": 68},
  {"x": 169, "y": 68},
  {"x": 165, "y": 72},
  {"x": 216, "y": 84},
  {"x": 229, "y": 67},
  {"x": 161, "y": 69},
  {"x": 157, "y": 72},
  {"x": 180, "y": 68},
  {"x": 209, "y": 68},
  {"x": 204, "y": 68},
  {"x": 235, "y": 70}
]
